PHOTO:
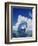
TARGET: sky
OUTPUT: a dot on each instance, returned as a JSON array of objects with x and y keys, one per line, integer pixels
[{"x": 23, "y": 11}]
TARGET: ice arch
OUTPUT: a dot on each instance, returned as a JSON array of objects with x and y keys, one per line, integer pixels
[{"x": 23, "y": 27}]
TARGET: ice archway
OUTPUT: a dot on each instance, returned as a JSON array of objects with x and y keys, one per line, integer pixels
[{"x": 23, "y": 27}]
